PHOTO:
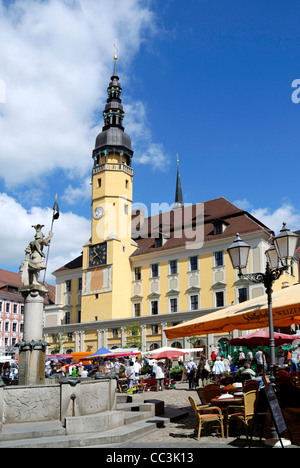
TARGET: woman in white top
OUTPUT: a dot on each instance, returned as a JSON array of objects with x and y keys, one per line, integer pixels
[{"x": 160, "y": 377}]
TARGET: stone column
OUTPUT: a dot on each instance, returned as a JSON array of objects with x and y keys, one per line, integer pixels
[
  {"x": 32, "y": 349},
  {"x": 143, "y": 336},
  {"x": 99, "y": 339},
  {"x": 163, "y": 335},
  {"x": 82, "y": 335}
]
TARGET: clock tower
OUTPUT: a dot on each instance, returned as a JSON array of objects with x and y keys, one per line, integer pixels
[{"x": 106, "y": 265}]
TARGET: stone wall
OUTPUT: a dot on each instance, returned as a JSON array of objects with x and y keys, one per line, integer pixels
[{"x": 56, "y": 402}]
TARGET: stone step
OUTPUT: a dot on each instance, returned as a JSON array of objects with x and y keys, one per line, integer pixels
[
  {"x": 12, "y": 432},
  {"x": 138, "y": 420},
  {"x": 131, "y": 417}
]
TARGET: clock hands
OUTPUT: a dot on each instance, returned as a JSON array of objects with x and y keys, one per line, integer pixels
[
  {"x": 97, "y": 251},
  {"x": 96, "y": 254}
]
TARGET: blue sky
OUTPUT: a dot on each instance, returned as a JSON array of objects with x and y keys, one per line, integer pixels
[{"x": 208, "y": 79}]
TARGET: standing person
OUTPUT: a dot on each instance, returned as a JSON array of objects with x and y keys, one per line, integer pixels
[
  {"x": 80, "y": 370},
  {"x": 160, "y": 377},
  {"x": 226, "y": 364},
  {"x": 191, "y": 369},
  {"x": 137, "y": 370},
  {"x": 295, "y": 360},
  {"x": 259, "y": 361},
  {"x": 117, "y": 367},
  {"x": 249, "y": 357},
  {"x": 129, "y": 373},
  {"x": 108, "y": 367},
  {"x": 219, "y": 367},
  {"x": 154, "y": 366},
  {"x": 280, "y": 357},
  {"x": 242, "y": 357},
  {"x": 203, "y": 372}
]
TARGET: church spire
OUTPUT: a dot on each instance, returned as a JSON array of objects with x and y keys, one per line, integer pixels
[{"x": 178, "y": 194}]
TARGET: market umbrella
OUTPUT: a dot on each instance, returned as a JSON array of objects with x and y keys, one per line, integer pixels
[
  {"x": 58, "y": 357},
  {"x": 169, "y": 354},
  {"x": 100, "y": 352},
  {"x": 247, "y": 315},
  {"x": 124, "y": 353},
  {"x": 171, "y": 348},
  {"x": 261, "y": 338}
]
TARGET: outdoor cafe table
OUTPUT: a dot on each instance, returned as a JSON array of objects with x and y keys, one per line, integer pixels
[{"x": 224, "y": 402}]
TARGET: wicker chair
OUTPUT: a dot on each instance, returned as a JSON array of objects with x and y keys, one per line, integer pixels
[
  {"x": 207, "y": 394},
  {"x": 244, "y": 413},
  {"x": 250, "y": 385},
  {"x": 206, "y": 414}
]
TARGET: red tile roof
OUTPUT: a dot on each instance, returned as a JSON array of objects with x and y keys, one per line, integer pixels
[
  {"x": 179, "y": 227},
  {"x": 76, "y": 263},
  {"x": 9, "y": 278}
]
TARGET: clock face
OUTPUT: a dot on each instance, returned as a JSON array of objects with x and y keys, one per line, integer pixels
[
  {"x": 99, "y": 212},
  {"x": 98, "y": 254}
]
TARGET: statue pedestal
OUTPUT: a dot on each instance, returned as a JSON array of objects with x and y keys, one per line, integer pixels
[{"x": 32, "y": 349}]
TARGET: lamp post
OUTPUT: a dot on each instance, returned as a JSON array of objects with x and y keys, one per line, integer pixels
[{"x": 279, "y": 257}]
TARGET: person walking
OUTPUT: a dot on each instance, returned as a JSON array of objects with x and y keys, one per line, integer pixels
[
  {"x": 203, "y": 372},
  {"x": 137, "y": 370},
  {"x": 129, "y": 373},
  {"x": 160, "y": 377},
  {"x": 191, "y": 369},
  {"x": 295, "y": 360},
  {"x": 219, "y": 367},
  {"x": 259, "y": 361}
]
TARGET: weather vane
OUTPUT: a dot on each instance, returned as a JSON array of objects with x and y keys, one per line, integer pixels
[{"x": 116, "y": 51}]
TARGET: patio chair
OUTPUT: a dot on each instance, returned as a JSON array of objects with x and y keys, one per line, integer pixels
[
  {"x": 250, "y": 385},
  {"x": 212, "y": 386},
  {"x": 244, "y": 413},
  {"x": 203, "y": 416},
  {"x": 207, "y": 394}
]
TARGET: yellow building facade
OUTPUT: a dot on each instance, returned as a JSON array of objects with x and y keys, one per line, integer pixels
[{"x": 156, "y": 271}]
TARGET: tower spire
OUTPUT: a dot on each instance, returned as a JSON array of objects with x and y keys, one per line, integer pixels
[
  {"x": 113, "y": 138},
  {"x": 115, "y": 58},
  {"x": 178, "y": 194}
]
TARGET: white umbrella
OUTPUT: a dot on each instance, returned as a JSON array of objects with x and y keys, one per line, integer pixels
[{"x": 170, "y": 348}]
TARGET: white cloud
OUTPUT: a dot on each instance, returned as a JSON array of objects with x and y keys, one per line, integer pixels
[
  {"x": 286, "y": 213},
  {"x": 70, "y": 234},
  {"x": 55, "y": 64},
  {"x": 146, "y": 151},
  {"x": 82, "y": 192}
]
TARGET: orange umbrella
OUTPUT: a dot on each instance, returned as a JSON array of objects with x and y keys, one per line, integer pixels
[{"x": 248, "y": 315}]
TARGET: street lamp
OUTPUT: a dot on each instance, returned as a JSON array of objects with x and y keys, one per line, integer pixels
[{"x": 279, "y": 258}]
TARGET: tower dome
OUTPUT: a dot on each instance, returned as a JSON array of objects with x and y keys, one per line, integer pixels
[{"x": 113, "y": 138}]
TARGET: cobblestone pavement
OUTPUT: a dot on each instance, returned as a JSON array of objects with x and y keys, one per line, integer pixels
[{"x": 181, "y": 433}]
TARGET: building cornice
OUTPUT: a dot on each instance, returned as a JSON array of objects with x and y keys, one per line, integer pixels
[{"x": 119, "y": 323}]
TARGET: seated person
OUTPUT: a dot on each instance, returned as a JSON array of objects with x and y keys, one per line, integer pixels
[{"x": 247, "y": 372}]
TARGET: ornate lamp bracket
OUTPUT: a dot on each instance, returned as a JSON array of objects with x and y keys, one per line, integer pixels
[{"x": 267, "y": 278}]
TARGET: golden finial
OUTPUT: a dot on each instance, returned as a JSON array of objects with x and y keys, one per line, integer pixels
[{"x": 116, "y": 51}]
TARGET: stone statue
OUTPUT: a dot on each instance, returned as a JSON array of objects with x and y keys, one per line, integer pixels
[{"x": 34, "y": 257}]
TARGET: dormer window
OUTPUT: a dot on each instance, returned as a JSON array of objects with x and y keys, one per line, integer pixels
[
  {"x": 218, "y": 229},
  {"x": 219, "y": 226},
  {"x": 158, "y": 242}
]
